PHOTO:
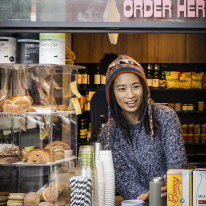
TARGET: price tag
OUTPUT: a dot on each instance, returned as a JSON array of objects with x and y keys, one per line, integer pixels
[
  {"x": 76, "y": 105},
  {"x": 74, "y": 89}
]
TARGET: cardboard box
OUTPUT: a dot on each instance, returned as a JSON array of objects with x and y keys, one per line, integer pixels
[
  {"x": 179, "y": 187},
  {"x": 199, "y": 187}
]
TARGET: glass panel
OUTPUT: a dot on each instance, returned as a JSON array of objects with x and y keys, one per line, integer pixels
[
  {"x": 93, "y": 11},
  {"x": 38, "y": 128}
]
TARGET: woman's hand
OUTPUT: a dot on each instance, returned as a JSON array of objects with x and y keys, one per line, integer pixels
[
  {"x": 164, "y": 190},
  {"x": 144, "y": 196}
]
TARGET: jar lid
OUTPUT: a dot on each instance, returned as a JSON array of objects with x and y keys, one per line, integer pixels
[
  {"x": 27, "y": 35},
  {"x": 8, "y": 35}
]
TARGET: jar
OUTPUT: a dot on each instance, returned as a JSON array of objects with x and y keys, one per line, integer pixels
[
  {"x": 190, "y": 107},
  {"x": 28, "y": 48},
  {"x": 184, "y": 107},
  {"x": 7, "y": 48},
  {"x": 201, "y": 106},
  {"x": 178, "y": 107},
  {"x": 203, "y": 128}
]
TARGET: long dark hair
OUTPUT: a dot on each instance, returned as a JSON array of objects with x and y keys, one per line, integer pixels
[{"x": 120, "y": 120}]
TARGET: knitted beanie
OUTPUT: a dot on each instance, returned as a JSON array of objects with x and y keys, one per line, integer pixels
[{"x": 126, "y": 64}]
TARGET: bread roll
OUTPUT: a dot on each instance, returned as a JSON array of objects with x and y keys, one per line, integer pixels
[{"x": 31, "y": 199}]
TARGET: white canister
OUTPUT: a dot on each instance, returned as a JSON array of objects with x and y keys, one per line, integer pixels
[
  {"x": 7, "y": 48},
  {"x": 52, "y": 48}
]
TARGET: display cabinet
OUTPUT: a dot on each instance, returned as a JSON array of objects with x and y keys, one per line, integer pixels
[{"x": 38, "y": 133}]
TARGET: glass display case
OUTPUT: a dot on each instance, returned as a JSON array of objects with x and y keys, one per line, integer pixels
[{"x": 38, "y": 132}]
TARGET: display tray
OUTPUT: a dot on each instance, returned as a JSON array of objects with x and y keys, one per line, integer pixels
[{"x": 21, "y": 164}]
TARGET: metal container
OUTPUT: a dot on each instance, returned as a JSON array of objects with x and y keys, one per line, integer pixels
[{"x": 155, "y": 199}]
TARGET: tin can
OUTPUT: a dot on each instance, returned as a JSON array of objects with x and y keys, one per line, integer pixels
[
  {"x": 184, "y": 128},
  {"x": 197, "y": 129},
  {"x": 156, "y": 183},
  {"x": 203, "y": 128},
  {"x": 197, "y": 138},
  {"x": 191, "y": 128},
  {"x": 190, "y": 138}
]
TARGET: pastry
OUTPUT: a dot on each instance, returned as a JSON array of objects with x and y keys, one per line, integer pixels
[
  {"x": 44, "y": 204},
  {"x": 9, "y": 153},
  {"x": 50, "y": 194},
  {"x": 58, "y": 145},
  {"x": 9, "y": 160},
  {"x": 9, "y": 150},
  {"x": 16, "y": 199},
  {"x": 37, "y": 156},
  {"x": 31, "y": 199},
  {"x": 17, "y": 104},
  {"x": 2, "y": 100}
]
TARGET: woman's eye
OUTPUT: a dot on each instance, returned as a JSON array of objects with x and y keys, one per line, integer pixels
[
  {"x": 121, "y": 89},
  {"x": 136, "y": 87}
]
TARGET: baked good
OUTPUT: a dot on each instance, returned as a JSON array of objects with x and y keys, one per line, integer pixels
[
  {"x": 70, "y": 56},
  {"x": 63, "y": 108},
  {"x": 58, "y": 145},
  {"x": 16, "y": 199},
  {"x": 2, "y": 100},
  {"x": 31, "y": 199},
  {"x": 9, "y": 150},
  {"x": 50, "y": 194},
  {"x": 37, "y": 156},
  {"x": 9, "y": 153},
  {"x": 9, "y": 160},
  {"x": 44, "y": 204},
  {"x": 17, "y": 104}
]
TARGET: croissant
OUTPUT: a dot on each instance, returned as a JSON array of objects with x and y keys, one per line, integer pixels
[
  {"x": 58, "y": 145},
  {"x": 37, "y": 156},
  {"x": 17, "y": 104}
]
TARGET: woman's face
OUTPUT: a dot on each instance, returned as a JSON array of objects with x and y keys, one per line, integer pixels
[{"x": 128, "y": 92}]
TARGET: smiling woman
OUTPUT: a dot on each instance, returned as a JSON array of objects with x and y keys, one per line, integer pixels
[{"x": 145, "y": 138}]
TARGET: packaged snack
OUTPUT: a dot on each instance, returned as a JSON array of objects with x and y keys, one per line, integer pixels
[
  {"x": 204, "y": 81},
  {"x": 197, "y": 80},
  {"x": 185, "y": 80},
  {"x": 172, "y": 79},
  {"x": 179, "y": 187}
]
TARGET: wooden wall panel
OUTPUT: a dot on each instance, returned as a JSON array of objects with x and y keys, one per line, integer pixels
[
  {"x": 90, "y": 48},
  {"x": 166, "y": 48},
  {"x": 195, "y": 48}
]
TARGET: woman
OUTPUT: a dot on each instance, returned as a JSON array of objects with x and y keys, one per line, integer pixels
[{"x": 145, "y": 138}]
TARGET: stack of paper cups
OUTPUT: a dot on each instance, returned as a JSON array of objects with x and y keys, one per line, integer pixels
[
  {"x": 100, "y": 201},
  {"x": 109, "y": 177}
]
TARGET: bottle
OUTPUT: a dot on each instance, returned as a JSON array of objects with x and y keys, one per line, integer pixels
[
  {"x": 149, "y": 75},
  {"x": 84, "y": 79},
  {"x": 82, "y": 134},
  {"x": 155, "y": 79},
  {"x": 79, "y": 79},
  {"x": 89, "y": 131},
  {"x": 97, "y": 79},
  {"x": 163, "y": 82},
  {"x": 156, "y": 183}
]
